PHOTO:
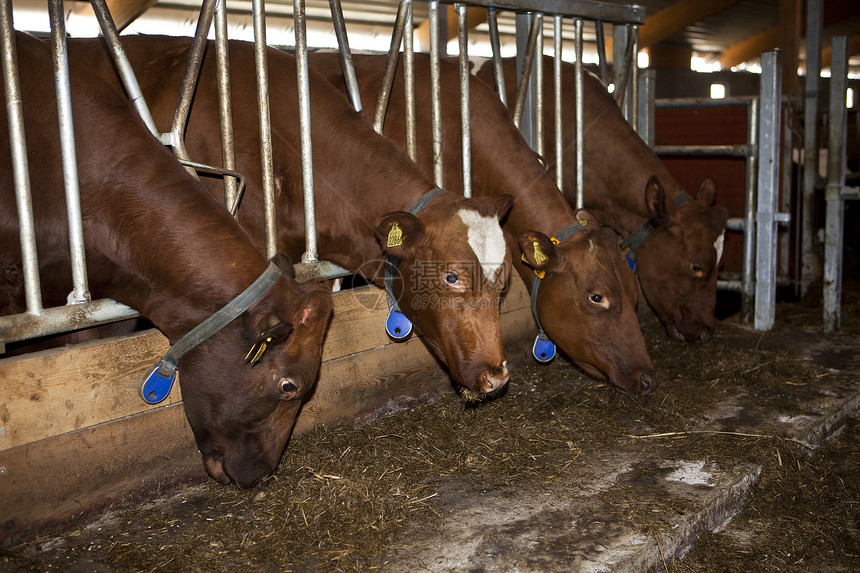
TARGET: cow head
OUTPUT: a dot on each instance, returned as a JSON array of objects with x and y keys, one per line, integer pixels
[
  {"x": 586, "y": 303},
  {"x": 678, "y": 263},
  {"x": 242, "y": 410},
  {"x": 452, "y": 266}
]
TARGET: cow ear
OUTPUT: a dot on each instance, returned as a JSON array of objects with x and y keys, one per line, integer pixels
[
  {"x": 707, "y": 192},
  {"x": 587, "y": 219},
  {"x": 400, "y": 233},
  {"x": 275, "y": 334},
  {"x": 504, "y": 203},
  {"x": 538, "y": 251},
  {"x": 655, "y": 198}
]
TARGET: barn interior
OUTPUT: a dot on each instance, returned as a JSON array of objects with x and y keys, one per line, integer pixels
[{"x": 747, "y": 450}]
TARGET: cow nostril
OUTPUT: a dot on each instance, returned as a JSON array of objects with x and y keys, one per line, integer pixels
[
  {"x": 704, "y": 335},
  {"x": 646, "y": 384}
]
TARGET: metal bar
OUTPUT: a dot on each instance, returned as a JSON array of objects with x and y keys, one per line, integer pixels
[
  {"x": 465, "y": 119},
  {"x": 621, "y": 81},
  {"x": 785, "y": 190},
  {"x": 525, "y": 73},
  {"x": 580, "y": 114},
  {"x": 63, "y": 319},
  {"x": 768, "y": 191},
  {"x": 436, "y": 96},
  {"x": 20, "y": 167},
  {"x": 586, "y": 9},
  {"x": 601, "y": 52},
  {"x": 646, "y": 104},
  {"x": 409, "y": 84},
  {"x": 703, "y": 102},
  {"x": 302, "y": 73},
  {"x": 80, "y": 290},
  {"x": 836, "y": 164},
  {"x": 634, "y": 77},
  {"x": 809, "y": 265},
  {"x": 495, "y": 44},
  {"x": 345, "y": 54},
  {"x": 736, "y": 150},
  {"x": 126, "y": 73},
  {"x": 538, "y": 99},
  {"x": 261, "y": 66},
  {"x": 225, "y": 105},
  {"x": 390, "y": 69},
  {"x": 189, "y": 80},
  {"x": 558, "y": 123},
  {"x": 749, "y": 243}
]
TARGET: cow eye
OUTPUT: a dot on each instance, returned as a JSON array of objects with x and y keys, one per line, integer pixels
[
  {"x": 598, "y": 300},
  {"x": 286, "y": 386},
  {"x": 451, "y": 278},
  {"x": 697, "y": 270}
]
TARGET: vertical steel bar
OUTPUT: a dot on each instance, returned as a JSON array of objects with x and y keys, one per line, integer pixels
[
  {"x": 836, "y": 164},
  {"x": 768, "y": 191},
  {"x": 465, "y": 119},
  {"x": 390, "y": 69},
  {"x": 580, "y": 115},
  {"x": 634, "y": 77},
  {"x": 20, "y": 167},
  {"x": 495, "y": 44},
  {"x": 601, "y": 52},
  {"x": 310, "y": 255},
  {"x": 126, "y": 73},
  {"x": 646, "y": 106},
  {"x": 809, "y": 267},
  {"x": 345, "y": 54},
  {"x": 80, "y": 290},
  {"x": 749, "y": 238},
  {"x": 558, "y": 123},
  {"x": 539, "y": 83},
  {"x": 621, "y": 81},
  {"x": 785, "y": 190},
  {"x": 525, "y": 73},
  {"x": 409, "y": 84},
  {"x": 261, "y": 66},
  {"x": 225, "y": 104},
  {"x": 189, "y": 80},
  {"x": 436, "y": 95}
]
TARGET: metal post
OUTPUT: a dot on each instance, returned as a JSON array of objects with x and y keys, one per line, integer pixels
[
  {"x": 345, "y": 54},
  {"x": 601, "y": 52},
  {"x": 538, "y": 100},
  {"x": 20, "y": 167},
  {"x": 495, "y": 44},
  {"x": 126, "y": 73},
  {"x": 80, "y": 291},
  {"x": 768, "y": 191},
  {"x": 646, "y": 105},
  {"x": 261, "y": 66},
  {"x": 580, "y": 115},
  {"x": 749, "y": 238},
  {"x": 390, "y": 69},
  {"x": 836, "y": 164},
  {"x": 524, "y": 71},
  {"x": 436, "y": 95},
  {"x": 303, "y": 81},
  {"x": 785, "y": 191},
  {"x": 225, "y": 105},
  {"x": 409, "y": 84},
  {"x": 558, "y": 123},
  {"x": 810, "y": 268},
  {"x": 634, "y": 76},
  {"x": 189, "y": 80},
  {"x": 465, "y": 119}
]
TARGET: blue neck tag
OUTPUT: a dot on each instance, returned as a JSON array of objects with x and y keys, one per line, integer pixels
[
  {"x": 156, "y": 387},
  {"x": 397, "y": 325},
  {"x": 631, "y": 260},
  {"x": 543, "y": 349}
]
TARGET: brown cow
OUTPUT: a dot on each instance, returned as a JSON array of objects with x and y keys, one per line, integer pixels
[
  {"x": 586, "y": 300},
  {"x": 627, "y": 186},
  {"x": 452, "y": 260},
  {"x": 158, "y": 241}
]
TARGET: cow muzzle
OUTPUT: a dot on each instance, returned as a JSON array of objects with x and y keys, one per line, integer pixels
[{"x": 492, "y": 379}]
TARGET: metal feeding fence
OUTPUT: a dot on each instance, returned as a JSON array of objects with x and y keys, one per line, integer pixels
[{"x": 758, "y": 224}]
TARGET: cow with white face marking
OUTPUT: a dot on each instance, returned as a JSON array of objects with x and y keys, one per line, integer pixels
[
  {"x": 676, "y": 241},
  {"x": 373, "y": 210}
]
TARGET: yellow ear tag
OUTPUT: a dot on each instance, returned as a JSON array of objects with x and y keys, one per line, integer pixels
[
  {"x": 395, "y": 236},
  {"x": 539, "y": 256}
]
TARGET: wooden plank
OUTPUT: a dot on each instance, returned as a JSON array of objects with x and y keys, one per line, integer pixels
[
  {"x": 66, "y": 389},
  {"x": 675, "y": 17}
]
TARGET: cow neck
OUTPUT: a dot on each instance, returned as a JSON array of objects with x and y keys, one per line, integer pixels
[
  {"x": 156, "y": 386},
  {"x": 635, "y": 239},
  {"x": 543, "y": 348}
]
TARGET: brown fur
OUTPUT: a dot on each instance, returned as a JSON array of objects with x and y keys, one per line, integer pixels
[
  {"x": 617, "y": 168},
  {"x": 159, "y": 242},
  {"x": 359, "y": 178},
  {"x": 607, "y": 343}
]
